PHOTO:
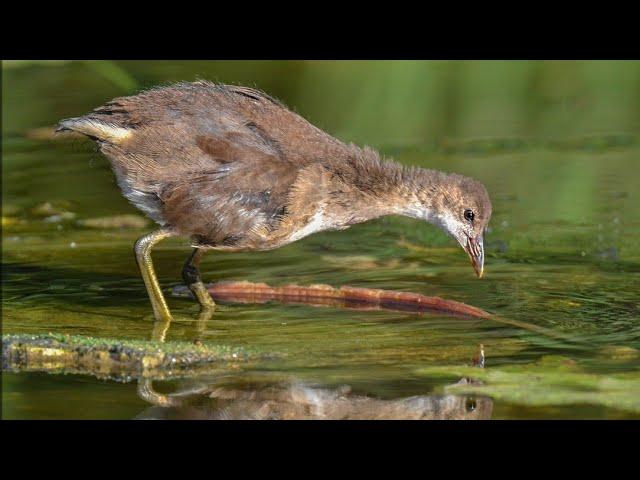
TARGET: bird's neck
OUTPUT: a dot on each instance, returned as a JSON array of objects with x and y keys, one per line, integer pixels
[
  {"x": 389, "y": 188},
  {"x": 384, "y": 187}
]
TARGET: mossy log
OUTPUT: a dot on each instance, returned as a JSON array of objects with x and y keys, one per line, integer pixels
[{"x": 117, "y": 358}]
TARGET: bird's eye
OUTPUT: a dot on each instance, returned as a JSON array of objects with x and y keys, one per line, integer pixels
[{"x": 469, "y": 215}]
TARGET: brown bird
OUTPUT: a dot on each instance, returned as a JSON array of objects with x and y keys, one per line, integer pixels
[{"x": 235, "y": 170}]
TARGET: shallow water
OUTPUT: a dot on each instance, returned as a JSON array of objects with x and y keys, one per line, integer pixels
[{"x": 562, "y": 253}]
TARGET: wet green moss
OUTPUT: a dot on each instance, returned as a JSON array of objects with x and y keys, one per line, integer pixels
[
  {"x": 118, "y": 358},
  {"x": 551, "y": 381}
]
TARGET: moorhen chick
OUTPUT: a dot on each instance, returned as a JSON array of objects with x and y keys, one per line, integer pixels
[{"x": 234, "y": 169}]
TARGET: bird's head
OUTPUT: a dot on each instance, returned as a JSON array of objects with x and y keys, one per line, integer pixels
[{"x": 461, "y": 207}]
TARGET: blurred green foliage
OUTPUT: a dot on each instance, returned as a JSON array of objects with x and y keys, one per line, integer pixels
[
  {"x": 556, "y": 141},
  {"x": 375, "y": 102}
]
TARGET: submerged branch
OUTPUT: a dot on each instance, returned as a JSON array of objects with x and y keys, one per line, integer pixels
[
  {"x": 343, "y": 297},
  {"x": 357, "y": 299}
]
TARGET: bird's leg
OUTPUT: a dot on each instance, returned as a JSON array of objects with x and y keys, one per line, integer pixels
[
  {"x": 206, "y": 313},
  {"x": 191, "y": 277},
  {"x": 160, "y": 329},
  {"x": 142, "y": 250}
]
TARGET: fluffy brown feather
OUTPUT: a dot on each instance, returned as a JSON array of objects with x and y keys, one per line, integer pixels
[{"x": 235, "y": 169}]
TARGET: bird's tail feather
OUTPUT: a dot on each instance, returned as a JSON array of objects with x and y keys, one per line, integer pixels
[{"x": 95, "y": 129}]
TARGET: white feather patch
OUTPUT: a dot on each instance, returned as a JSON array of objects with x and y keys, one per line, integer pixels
[
  {"x": 316, "y": 224},
  {"x": 103, "y": 131}
]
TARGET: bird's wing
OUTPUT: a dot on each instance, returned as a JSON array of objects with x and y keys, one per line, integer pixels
[
  {"x": 238, "y": 185},
  {"x": 227, "y": 155},
  {"x": 196, "y": 126}
]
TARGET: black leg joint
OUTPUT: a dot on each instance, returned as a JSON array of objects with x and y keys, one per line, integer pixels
[{"x": 190, "y": 274}]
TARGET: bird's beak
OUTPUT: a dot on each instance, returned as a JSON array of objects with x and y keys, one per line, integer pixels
[{"x": 475, "y": 250}]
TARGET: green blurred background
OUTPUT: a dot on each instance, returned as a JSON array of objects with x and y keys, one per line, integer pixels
[{"x": 375, "y": 102}]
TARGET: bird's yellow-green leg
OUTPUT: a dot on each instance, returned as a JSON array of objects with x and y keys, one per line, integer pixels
[
  {"x": 143, "y": 256},
  {"x": 191, "y": 277},
  {"x": 160, "y": 329}
]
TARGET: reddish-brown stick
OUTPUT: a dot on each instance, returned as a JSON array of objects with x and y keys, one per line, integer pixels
[
  {"x": 346, "y": 297},
  {"x": 357, "y": 299}
]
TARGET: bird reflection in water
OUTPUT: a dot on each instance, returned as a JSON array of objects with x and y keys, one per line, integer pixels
[{"x": 296, "y": 401}]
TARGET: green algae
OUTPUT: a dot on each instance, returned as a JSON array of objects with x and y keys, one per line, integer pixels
[{"x": 550, "y": 381}]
